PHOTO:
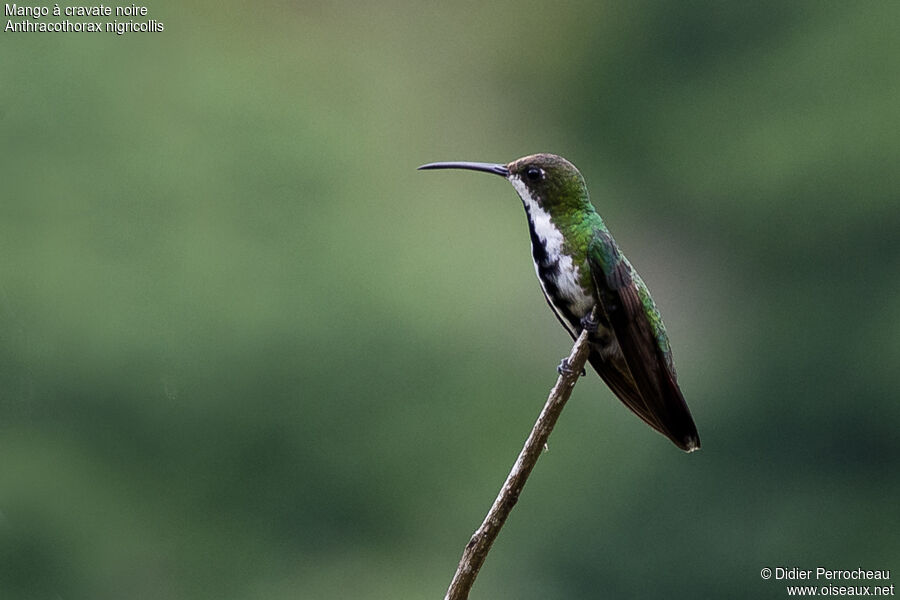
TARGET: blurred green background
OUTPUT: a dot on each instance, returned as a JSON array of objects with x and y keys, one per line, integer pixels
[{"x": 248, "y": 351}]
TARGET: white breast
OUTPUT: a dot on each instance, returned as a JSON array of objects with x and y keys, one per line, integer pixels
[{"x": 568, "y": 274}]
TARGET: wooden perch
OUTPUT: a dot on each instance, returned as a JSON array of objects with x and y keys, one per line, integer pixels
[{"x": 480, "y": 543}]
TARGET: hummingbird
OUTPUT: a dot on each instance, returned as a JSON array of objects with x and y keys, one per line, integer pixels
[{"x": 580, "y": 267}]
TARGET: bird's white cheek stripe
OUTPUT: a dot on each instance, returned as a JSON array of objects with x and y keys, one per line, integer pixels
[{"x": 567, "y": 274}]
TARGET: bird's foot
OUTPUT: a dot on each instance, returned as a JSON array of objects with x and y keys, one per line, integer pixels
[
  {"x": 589, "y": 323},
  {"x": 563, "y": 368}
]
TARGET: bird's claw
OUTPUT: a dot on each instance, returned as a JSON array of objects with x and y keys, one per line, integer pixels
[
  {"x": 563, "y": 368},
  {"x": 589, "y": 323}
]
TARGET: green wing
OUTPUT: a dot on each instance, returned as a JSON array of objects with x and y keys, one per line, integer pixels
[{"x": 644, "y": 376}]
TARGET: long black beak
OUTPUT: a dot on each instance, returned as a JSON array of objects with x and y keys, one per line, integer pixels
[{"x": 496, "y": 169}]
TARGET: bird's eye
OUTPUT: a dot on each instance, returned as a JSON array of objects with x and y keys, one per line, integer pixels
[{"x": 534, "y": 174}]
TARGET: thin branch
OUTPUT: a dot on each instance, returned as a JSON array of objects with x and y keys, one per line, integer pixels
[{"x": 480, "y": 544}]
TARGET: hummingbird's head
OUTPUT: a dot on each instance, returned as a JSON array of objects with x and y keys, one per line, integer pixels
[{"x": 546, "y": 180}]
